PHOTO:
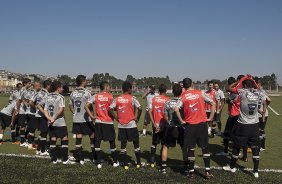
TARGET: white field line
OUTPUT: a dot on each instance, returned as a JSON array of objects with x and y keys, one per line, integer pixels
[
  {"x": 273, "y": 111},
  {"x": 87, "y": 160}
]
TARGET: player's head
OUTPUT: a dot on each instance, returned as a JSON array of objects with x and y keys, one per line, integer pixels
[
  {"x": 81, "y": 81},
  {"x": 231, "y": 80},
  {"x": 127, "y": 87},
  {"x": 248, "y": 84},
  {"x": 152, "y": 89},
  {"x": 19, "y": 86},
  {"x": 27, "y": 82},
  {"x": 176, "y": 90},
  {"x": 36, "y": 86},
  {"x": 258, "y": 81},
  {"x": 210, "y": 85},
  {"x": 104, "y": 86},
  {"x": 47, "y": 84},
  {"x": 56, "y": 86},
  {"x": 187, "y": 83},
  {"x": 216, "y": 85},
  {"x": 240, "y": 77},
  {"x": 162, "y": 89}
]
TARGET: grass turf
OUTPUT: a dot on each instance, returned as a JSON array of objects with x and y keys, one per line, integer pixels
[{"x": 25, "y": 167}]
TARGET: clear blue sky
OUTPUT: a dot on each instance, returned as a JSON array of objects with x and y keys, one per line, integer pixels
[{"x": 200, "y": 39}]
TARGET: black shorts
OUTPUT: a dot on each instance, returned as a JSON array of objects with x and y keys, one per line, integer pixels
[
  {"x": 104, "y": 132},
  {"x": 58, "y": 132},
  {"x": 246, "y": 135},
  {"x": 86, "y": 128},
  {"x": 128, "y": 134},
  {"x": 196, "y": 134},
  {"x": 42, "y": 124},
  {"x": 22, "y": 120},
  {"x": 160, "y": 136},
  {"x": 31, "y": 122},
  {"x": 229, "y": 127},
  {"x": 5, "y": 120},
  {"x": 173, "y": 136},
  {"x": 147, "y": 118},
  {"x": 262, "y": 124}
]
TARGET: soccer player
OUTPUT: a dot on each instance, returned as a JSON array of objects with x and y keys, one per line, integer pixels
[
  {"x": 7, "y": 117},
  {"x": 30, "y": 114},
  {"x": 212, "y": 94},
  {"x": 22, "y": 106},
  {"x": 15, "y": 94},
  {"x": 156, "y": 112},
  {"x": 104, "y": 122},
  {"x": 195, "y": 124},
  {"x": 54, "y": 112},
  {"x": 221, "y": 101},
  {"x": 233, "y": 102},
  {"x": 82, "y": 123},
  {"x": 175, "y": 131},
  {"x": 125, "y": 105},
  {"x": 247, "y": 129},
  {"x": 149, "y": 95},
  {"x": 42, "y": 123},
  {"x": 262, "y": 121}
]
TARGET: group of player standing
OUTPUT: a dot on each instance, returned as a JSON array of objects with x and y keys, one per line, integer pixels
[{"x": 189, "y": 118}]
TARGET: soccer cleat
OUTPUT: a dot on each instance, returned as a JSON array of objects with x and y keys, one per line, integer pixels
[
  {"x": 228, "y": 168},
  {"x": 81, "y": 162},
  {"x": 37, "y": 152},
  {"x": 16, "y": 142},
  {"x": 99, "y": 166},
  {"x": 126, "y": 167},
  {"x": 44, "y": 154},
  {"x": 31, "y": 147},
  {"x": 55, "y": 162},
  {"x": 116, "y": 164},
  {"x": 256, "y": 175},
  {"x": 163, "y": 171},
  {"x": 222, "y": 154},
  {"x": 68, "y": 162},
  {"x": 24, "y": 144},
  {"x": 191, "y": 176},
  {"x": 262, "y": 149},
  {"x": 208, "y": 175},
  {"x": 72, "y": 158}
]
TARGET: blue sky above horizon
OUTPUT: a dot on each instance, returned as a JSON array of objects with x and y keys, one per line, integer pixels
[{"x": 201, "y": 39}]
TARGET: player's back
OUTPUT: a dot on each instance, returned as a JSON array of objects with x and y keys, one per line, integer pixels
[
  {"x": 103, "y": 101},
  {"x": 53, "y": 104}
]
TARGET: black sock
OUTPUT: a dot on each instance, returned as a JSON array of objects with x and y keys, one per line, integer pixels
[
  {"x": 226, "y": 144},
  {"x": 22, "y": 134},
  {"x": 65, "y": 150},
  {"x": 153, "y": 153},
  {"x": 138, "y": 157},
  {"x": 206, "y": 157},
  {"x": 164, "y": 165},
  {"x": 98, "y": 153},
  {"x": 114, "y": 156},
  {"x": 13, "y": 135},
  {"x": 53, "y": 154}
]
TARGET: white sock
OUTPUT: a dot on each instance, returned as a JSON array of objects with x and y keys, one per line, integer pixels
[
  {"x": 144, "y": 131},
  {"x": 1, "y": 136}
]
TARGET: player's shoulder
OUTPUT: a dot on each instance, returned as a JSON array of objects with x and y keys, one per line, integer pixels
[{"x": 61, "y": 96}]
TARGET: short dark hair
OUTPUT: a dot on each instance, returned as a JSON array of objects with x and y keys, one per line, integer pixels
[
  {"x": 46, "y": 83},
  {"x": 103, "y": 84},
  {"x": 177, "y": 90},
  {"x": 240, "y": 77},
  {"x": 126, "y": 86},
  {"x": 162, "y": 88},
  {"x": 258, "y": 80},
  {"x": 216, "y": 83},
  {"x": 152, "y": 87},
  {"x": 231, "y": 80},
  {"x": 248, "y": 83},
  {"x": 79, "y": 79},
  {"x": 26, "y": 80},
  {"x": 18, "y": 85},
  {"x": 187, "y": 83},
  {"x": 55, "y": 85},
  {"x": 210, "y": 82}
]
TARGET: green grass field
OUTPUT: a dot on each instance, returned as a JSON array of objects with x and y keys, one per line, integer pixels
[{"x": 36, "y": 170}]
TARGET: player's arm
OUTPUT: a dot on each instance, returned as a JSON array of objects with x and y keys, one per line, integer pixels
[
  {"x": 138, "y": 106},
  {"x": 71, "y": 105},
  {"x": 111, "y": 110},
  {"x": 60, "y": 111},
  {"x": 31, "y": 103},
  {"x": 18, "y": 104},
  {"x": 40, "y": 108},
  {"x": 89, "y": 112},
  {"x": 213, "y": 106},
  {"x": 177, "y": 111},
  {"x": 145, "y": 95},
  {"x": 46, "y": 114},
  {"x": 268, "y": 100}
]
